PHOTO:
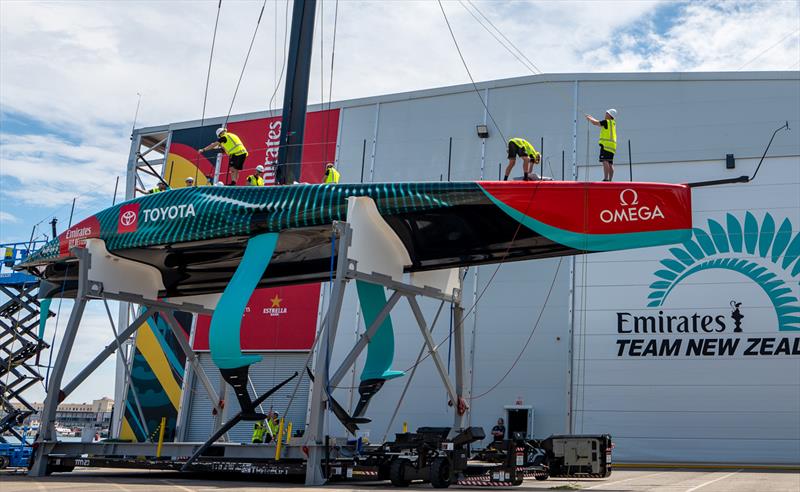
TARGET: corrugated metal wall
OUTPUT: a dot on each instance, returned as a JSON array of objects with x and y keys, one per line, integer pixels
[{"x": 272, "y": 369}]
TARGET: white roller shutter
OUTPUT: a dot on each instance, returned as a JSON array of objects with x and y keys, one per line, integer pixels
[{"x": 272, "y": 369}]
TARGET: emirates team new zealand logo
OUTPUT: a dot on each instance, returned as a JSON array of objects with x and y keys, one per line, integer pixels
[{"x": 761, "y": 252}]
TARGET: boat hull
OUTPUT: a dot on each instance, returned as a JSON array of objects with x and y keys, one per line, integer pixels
[{"x": 195, "y": 237}]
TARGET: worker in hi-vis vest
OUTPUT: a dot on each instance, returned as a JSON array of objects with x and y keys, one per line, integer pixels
[
  {"x": 256, "y": 179},
  {"x": 331, "y": 174},
  {"x": 273, "y": 422},
  {"x": 233, "y": 147},
  {"x": 607, "y": 141},
  {"x": 162, "y": 186},
  {"x": 522, "y": 148},
  {"x": 259, "y": 432}
]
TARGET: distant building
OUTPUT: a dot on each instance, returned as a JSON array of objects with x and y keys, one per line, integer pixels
[{"x": 76, "y": 415}]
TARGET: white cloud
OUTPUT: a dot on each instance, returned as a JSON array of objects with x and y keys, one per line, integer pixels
[
  {"x": 708, "y": 36},
  {"x": 7, "y": 217}
]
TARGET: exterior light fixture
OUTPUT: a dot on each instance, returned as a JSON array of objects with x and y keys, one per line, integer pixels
[
  {"x": 483, "y": 131},
  {"x": 730, "y": 161}
]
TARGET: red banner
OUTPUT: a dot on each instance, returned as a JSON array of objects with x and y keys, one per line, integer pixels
[{"x": 282, "y": 318}]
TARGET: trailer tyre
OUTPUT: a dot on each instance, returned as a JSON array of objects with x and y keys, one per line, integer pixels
[
  {"x": 4, "y": 461},
  {"x": 440, "y": 473},
  {"x": 397, "y": 473}
]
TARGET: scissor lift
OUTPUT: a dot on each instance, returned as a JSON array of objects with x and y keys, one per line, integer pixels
[{"x": 21, "y": 343}]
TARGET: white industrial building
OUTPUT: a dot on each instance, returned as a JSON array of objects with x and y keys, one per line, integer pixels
[{"x": 689, "y": 353}]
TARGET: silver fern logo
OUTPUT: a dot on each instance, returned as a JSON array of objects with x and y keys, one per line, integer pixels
[{"x": 759, "y": 251}]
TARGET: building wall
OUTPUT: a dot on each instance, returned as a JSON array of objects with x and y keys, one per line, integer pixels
[
  {"x": 680, "y": 127},
  {"x": 675, "y": 402}
]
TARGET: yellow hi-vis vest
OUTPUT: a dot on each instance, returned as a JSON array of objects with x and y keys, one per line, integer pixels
[
  {"x": 258, "y": 432},
  {"x": 254, "y": 180},
  {"x": 156, "y": 190},
  {"x": 233, "y": 144},
  {"x": 608, "y": 136},
  {"x": 332, "y": 176},
  {"x": 524, "y": 144}
]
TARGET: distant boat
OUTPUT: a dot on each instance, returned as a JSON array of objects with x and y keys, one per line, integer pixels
[{"x": 65, "y": 431}]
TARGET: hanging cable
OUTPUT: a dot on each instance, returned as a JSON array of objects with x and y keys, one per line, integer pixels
[
  {"x": 464, "y": 62},
  {"x": 530, "y": 337},
  {"x": 283, "y": 64},
  {"x": 515, "y": 55},
  {"x": 330, "y": 84},
  {"x": 244, "y": 66},
  {"x": 210, "y": 59},
  {"x": 505, "y": 37},
  {"x": 205, "y": 92}
]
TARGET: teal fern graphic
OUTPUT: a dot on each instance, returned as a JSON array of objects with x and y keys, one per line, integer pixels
[{"x": 774, "y": 250}]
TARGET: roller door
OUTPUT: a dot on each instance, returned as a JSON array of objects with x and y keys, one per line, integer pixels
[{"x": 272, "y": 369}]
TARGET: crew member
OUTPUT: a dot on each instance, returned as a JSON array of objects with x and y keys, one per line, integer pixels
[
  {"x": 522, "y": 148},
  {"x": 259, "y": 430},
  {"x": 233, "y": 147},
  {"x": 607, "y": 141},
  {"x": 189, "y": 181},
  {"x": 331, "y": 174},
  {"x": 272, "y": 424},
  {"x": 162, "y": 186},
  {"x": 256, "y": 179},
  {"x": 499, "y": 430}
]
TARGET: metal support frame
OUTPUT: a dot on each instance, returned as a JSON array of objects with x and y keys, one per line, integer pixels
[
  {"x": 346, "y": 270},
  {"x": 88, "y": 290},
  {"x": 47, "y": 425}
]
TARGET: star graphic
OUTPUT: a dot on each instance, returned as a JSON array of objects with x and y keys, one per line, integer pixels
[{"x": 276, "y": 301}]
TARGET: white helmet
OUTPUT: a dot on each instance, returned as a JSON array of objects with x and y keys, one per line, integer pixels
[
  {"x": 612, "y": 112},
  {"x": 219, "y": 183},
  {"x": 260, "y": 168},
  {"x": 189, "y": 179},
  {"x": 220, "y": 130}
]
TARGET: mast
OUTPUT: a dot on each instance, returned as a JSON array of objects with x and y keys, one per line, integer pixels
[{"x": 295, "y": 98}]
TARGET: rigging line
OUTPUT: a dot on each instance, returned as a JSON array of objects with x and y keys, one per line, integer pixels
[
  {"x": 330, "y": 82},
  {"x": 283, "y": 63},
  {"x": 525, "y": 64},
  {"x": 768, "y": 49},
  {"x": 464, "y": 62},
  {"x": 210, "y": 59},
  {"x": 505, "y": 37},
  {"x": 246, "y": 58},
  {"x": 530, "y": 337}
]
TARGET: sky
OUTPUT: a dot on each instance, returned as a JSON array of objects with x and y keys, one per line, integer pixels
[{"x": 71, "y": 74}]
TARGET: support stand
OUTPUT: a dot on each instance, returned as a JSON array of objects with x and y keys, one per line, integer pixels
[
  {"x": 446, "y": 287},
  {"x": 89, "y": 290}
]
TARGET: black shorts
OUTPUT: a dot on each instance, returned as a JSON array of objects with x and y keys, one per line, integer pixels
[
  {"x": 515, "y": 150},
  {"x": 237, "y": 161},
  {"x": 606, "y": 155}
]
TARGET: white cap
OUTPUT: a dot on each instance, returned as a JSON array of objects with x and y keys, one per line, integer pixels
[
  {"x": 260, "y": 168},
  {"x": 612, "y": 112},
  {"x": 189, "y": 178},
  {"x": 220, "y": 130},
  {"x": 219, "y": 183}
]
